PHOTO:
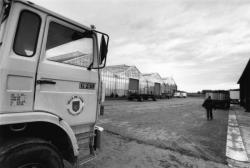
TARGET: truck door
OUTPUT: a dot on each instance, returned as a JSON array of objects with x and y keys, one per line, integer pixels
[{"x": 64, "y": 84}]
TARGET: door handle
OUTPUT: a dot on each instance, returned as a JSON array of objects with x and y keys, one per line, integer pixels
[{"x": 45, "y": 82}]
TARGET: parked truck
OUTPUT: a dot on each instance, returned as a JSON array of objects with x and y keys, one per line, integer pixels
[
  {"x": 177, "y": 94},
  {"x": 50, "y": 87},
  {"x": 220, "y": 98},
  {"x": 184, "y": 94},
  {"x": 180, "y": 94}
]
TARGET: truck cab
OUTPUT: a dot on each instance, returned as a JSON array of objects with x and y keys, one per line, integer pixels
[{"x": 50, "y": 95}]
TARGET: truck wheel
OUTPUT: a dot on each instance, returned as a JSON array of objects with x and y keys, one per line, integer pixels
[{"x": 30, "y": 153}]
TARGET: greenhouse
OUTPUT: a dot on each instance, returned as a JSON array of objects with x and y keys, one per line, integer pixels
[
  {"x": 169, "y": 87},
  {"x": 153, "y": 83},
  {"x": 121, "y": 80}
]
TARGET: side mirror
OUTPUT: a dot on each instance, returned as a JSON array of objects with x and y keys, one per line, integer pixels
[{"x": 103, "y": 50}]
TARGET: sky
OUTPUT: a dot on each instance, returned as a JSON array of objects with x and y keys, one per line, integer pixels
[{"x": 202, "y": 44}]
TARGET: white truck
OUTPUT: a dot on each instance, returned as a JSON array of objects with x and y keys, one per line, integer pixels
[
  {"x": 184, "y": 94},
  {"x": 177, "y": 94},
  {"x": 234, "y": 96},
  {"x": 50, "y": 95}
]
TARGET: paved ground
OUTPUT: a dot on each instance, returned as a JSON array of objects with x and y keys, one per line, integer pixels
[
  {"x": 238, "y": 138},
  {"x": 178, "y": 124},
  {"x": 120, "y": 152},
  {"x": 165, "y": 133},
  {"x": 243, "y": 119}
]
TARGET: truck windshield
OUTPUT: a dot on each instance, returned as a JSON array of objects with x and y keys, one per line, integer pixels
[{"x": 68, "y": 46}]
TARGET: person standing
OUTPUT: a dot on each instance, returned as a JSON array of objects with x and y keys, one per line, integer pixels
[{"x": 208, "y": 105}]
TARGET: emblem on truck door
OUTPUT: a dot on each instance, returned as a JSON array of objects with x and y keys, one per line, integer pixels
[{"x": 75, "y": 105}]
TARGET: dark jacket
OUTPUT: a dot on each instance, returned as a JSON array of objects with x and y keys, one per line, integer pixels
[{"x": 208, "y": 104}]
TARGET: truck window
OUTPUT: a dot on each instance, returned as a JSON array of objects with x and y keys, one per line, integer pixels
[
  {"x": 27, "y": 34},
  {"x": 68, "y": 46}
]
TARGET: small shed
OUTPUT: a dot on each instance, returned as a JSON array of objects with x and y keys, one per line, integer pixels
[{"x": 244, "y": 83}]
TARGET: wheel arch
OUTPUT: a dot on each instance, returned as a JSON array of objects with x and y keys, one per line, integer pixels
[{"x": 41, "y": 125}]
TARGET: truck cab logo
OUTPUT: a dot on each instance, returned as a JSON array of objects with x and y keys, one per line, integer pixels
[{"x": 75, "y": 105}]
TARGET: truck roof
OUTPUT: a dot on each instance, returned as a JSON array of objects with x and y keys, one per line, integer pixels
[{"x": 51, "y": 13}]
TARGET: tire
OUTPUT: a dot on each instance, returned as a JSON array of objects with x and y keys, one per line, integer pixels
[{"x": 30, "y": 153}]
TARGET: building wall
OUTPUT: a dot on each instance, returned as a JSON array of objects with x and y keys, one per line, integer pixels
[
  {"x": 245, "y": 93},
  {"x": 168, "y": 87},
  {"x": 114, "y": 84},
  {"x": 146, "y": 86},
  {"x": 244, "y": 82}
]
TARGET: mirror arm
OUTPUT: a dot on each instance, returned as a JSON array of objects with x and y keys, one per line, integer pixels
[
  {"x": 90, "y": 66},
  {"x": 103, "y": 34}
]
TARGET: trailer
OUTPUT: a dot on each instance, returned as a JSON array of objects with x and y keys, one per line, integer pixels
[
  {"x": 234, "y": 96},
  {"x": 220, "y": 98},
  {"x": 141, "y": 90}
]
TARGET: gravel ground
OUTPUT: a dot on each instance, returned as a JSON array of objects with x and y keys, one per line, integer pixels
[
  {"x": 120, "y": 152},
  {"x": 165, "y": 133}
]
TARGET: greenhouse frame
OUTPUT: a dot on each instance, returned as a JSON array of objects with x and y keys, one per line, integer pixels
[{"x": 120, "y": 80}]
